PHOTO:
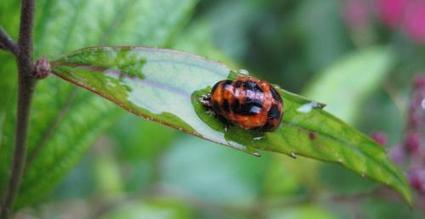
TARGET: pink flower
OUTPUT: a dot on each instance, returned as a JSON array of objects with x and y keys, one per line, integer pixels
[
  {"x": 414, "y": 23},
  {"x": 419, "y": 82},
  {"x": 391, "y": 12},
  {"x": 416, "y": 178},
  {"x": 412, "y": 143},
  {"x": 407, "y": 14}
]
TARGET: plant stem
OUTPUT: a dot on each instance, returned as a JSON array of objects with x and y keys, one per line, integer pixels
[
  {"x": 6, "y": 43},
  {"x": 25, "y": 92}
]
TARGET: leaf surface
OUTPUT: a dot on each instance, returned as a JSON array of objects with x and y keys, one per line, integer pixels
[
  {"x": 165, "y": 86},
  {"x": 61, "y": 128}
]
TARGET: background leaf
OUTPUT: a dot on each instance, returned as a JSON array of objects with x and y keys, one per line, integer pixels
[
  {"x": 156, "y": 208},
  {"x": 60, "y": 128},
  {"x": 344, "y": 85},
  {"x": 232, "y": 179},
  {"x": 153, "y": 83},
  {"x": 302, "y": 212}
]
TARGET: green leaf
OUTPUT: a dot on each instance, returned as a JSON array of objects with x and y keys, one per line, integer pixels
[
  {"x": 323, "y": 32},
  {"x": 377, "y": 208},
  {"x": 160, "y": 208},
  {"x": 61, "y": 129},
  {"x": 165, "y": 86},
  {"x": 212, "y": 174},
  {"x": 198, "y": 38},
  {"x": 354, "y": 75},
  {"x": 144, "y": 140},
  {"x": 301, "y": 212}
]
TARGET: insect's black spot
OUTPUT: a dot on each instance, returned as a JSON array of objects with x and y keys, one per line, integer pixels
[
  {"x": 237, "y": 84},
  {"x": 216, "y": 107},
  {"x": 247, "y": 109},
  {"x": 273, "y": 118},
  {"x": 256, "y": 102},
  {"x": 274, "y": 112},
  {"x": 226, "y": 106},
  {"x": 235, "y": 107},
  {"x": 250, "y": 108},
  {"x": 251, "y": 85},
  {"x": 268, "y": 126},
  {"x": 275, "y": 95},
  {"x": 226, "y": 83}
]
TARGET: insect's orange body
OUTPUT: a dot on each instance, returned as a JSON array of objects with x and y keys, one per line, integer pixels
[{"x": 248, "y": 102}]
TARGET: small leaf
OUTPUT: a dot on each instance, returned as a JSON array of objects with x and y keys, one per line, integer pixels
[
  {"x": 168, "y": 91},
  {"x": 355, "y": 75}
]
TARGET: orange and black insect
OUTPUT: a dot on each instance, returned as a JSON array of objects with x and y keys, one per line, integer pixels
[{"x": 247, "y": 102}]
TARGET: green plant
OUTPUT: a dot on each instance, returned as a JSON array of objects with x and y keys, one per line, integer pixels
[{"x": 157, "y": 84}]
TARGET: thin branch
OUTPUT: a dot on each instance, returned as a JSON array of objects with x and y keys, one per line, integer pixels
[
  {"x": 25, "y": 92},
  {"x": 6, "y": 43}
]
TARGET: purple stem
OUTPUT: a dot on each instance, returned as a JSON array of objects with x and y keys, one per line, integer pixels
[{"x": 26, "y": 84}]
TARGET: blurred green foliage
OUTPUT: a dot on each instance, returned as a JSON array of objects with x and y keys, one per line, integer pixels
[{"x": 138, "y": 169}]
